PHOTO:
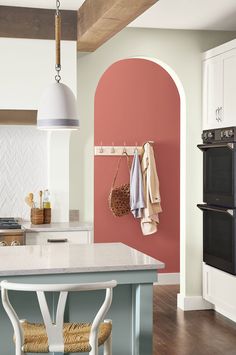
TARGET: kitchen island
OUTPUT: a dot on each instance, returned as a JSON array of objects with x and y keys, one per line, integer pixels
[{"x": 132, "y": 306}]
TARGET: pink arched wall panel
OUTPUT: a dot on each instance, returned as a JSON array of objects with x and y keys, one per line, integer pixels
[{"x": 136, "y": 101}]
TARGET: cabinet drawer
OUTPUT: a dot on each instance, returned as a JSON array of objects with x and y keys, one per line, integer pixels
[
  {"x": 219, "y": 288},
  {"x": 71, "y": 237}
]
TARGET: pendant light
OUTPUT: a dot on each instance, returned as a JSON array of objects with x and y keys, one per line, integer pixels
[{"x": 58, "y": 106}]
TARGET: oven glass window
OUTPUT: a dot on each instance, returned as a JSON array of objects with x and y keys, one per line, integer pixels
[
  {"x": 218, "y": 171},
  {"x": 218, "y": 235}
]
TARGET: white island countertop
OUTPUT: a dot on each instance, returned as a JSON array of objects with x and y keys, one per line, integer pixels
[
  {"x": 57, "y": 227},
  {"x": 73, "y": 258}
]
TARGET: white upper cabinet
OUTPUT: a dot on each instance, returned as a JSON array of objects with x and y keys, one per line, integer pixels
[
  {"x": 27, "y": 67},
  {"x": 212, "y": 98},
  {"x": 229, "y": 87},
  {"x": 219, "y": 86}
]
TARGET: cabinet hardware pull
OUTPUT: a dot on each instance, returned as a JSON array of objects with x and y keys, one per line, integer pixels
[
  {"x": 57, "y": 240},
  {"x": 217, "y": 110},
  {"x": 218, "y": 115}
]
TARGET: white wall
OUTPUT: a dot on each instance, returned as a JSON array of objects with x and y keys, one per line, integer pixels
[
  {"x": 181, "y": 50},
  {"x": 27, "y": 67},
  {"x": 59, "y": 174},
  {"x": 23, "y": 168}
]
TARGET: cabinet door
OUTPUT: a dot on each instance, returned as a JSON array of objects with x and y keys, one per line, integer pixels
[
  {"x": 229, "y": 88},
  {"x": 72, "y": 237},
  {"x": 212, "y": 93}
]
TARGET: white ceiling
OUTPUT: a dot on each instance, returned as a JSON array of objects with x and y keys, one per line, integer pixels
[
  {"x": 190, "y": 14},
  {"x": 45, "y": 4},
  {"x": 175, "y": 14}
]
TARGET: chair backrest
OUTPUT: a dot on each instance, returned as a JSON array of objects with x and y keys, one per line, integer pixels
[{"x": 55, "y": 329}]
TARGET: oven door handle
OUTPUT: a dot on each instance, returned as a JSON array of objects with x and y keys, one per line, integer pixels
[
  {"x": 208, "y": 146},
  {"x": 216, "y": 209}
]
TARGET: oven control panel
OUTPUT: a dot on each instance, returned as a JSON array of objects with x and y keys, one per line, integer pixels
[
  {"x": 227, "y": 134},
  {"x": 11, "y": 238}
]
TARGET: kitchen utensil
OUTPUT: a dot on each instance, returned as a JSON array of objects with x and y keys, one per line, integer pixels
[
  {"x": 27, "y": 201},
  {"x": 31, "y": 199}
]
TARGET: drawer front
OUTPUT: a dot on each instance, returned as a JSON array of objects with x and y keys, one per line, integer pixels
[
  {"x": 219, "y": 288},
  {"x": 43, "y": 238}
]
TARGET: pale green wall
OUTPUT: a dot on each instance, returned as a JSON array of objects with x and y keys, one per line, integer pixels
[{"x": 181, "y": 50}]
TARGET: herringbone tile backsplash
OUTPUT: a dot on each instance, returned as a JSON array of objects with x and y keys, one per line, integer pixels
[{"x": 23, "y": 168}]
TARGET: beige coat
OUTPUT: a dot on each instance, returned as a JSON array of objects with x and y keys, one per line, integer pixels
[{"x": 152, "y": 196}]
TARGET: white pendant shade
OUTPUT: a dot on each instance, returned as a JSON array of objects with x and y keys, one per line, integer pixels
[{"x": 58, "y": 109}]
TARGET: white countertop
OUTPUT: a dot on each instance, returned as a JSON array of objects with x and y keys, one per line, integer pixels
[
  {"x": 57, "y": 227},
  {"x": 73, "y": 258}
]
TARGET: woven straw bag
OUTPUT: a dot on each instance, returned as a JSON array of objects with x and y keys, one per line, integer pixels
[{"x": 119, "y": 197}]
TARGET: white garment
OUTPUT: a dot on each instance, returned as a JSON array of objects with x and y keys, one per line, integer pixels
[
  {"x": 137, "y": 202},
  {"x": 152, "y": 196}
]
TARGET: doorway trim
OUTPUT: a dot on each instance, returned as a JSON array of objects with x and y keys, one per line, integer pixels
[{"x": 183, "y": 145}]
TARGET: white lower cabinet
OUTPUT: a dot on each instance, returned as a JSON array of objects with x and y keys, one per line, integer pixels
[
  {"x": 71, "y": 237},
  {"x": 219, "y": 288}
]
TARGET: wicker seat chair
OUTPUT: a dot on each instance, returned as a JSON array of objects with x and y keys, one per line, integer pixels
[{"x": 60, "y": 337}]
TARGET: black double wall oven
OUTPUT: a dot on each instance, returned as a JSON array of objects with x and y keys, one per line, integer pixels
[{"x": 219, "y": 196}]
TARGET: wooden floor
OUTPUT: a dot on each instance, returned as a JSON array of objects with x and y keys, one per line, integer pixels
[{"x": 189, "y": 333}]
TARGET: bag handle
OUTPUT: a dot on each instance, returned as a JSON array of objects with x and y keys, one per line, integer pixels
[{"x": 118, "y": 166}]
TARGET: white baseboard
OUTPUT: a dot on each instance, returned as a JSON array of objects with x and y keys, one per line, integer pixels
[
  {"x": 226, "y": 312},
  {"x": 168, "y": 279},
  {"x": 193, "y": 303}
]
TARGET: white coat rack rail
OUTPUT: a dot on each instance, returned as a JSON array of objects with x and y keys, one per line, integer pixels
[{"x": 117, "y": 150}]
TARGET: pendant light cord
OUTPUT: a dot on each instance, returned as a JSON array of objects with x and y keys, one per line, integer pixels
[{"x": 58, "y": 41}]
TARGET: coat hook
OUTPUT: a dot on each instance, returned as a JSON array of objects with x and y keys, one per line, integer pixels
[
  {"x": 124, "y": 149},
  {"x": 101, "y": 148},
  {"x": 112, "y": 149}
]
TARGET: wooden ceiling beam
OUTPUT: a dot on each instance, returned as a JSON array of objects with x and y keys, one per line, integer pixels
[
  {"x": 99, "y": 20},
  {"x": 18, "y": 117},
  {"x": 33, "y": 23}
]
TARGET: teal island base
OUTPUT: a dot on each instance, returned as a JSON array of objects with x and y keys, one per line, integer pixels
[{"x": 131, "y": 311}]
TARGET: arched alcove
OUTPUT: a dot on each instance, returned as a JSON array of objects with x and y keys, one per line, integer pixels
[{"x": 140, "y": 99}]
